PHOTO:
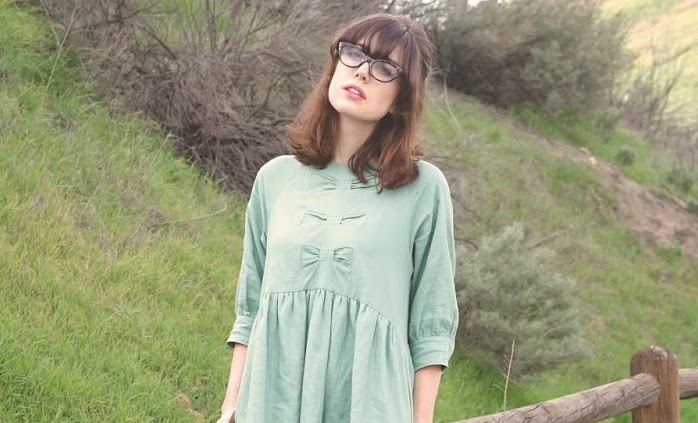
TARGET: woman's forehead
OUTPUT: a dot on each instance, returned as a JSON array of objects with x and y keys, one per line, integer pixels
[{"x": 379, "y": 48}]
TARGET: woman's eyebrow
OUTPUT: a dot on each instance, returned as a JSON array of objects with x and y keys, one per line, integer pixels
[{"x": 376, "y": 56}]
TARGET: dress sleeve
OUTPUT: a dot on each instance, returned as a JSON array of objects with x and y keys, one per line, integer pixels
[
  {"x": 433, "y": 306},
  {"x": 249, "y": 286}
]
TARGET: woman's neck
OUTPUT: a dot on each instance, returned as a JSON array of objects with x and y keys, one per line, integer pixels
[{"x": 350, "y": 137}]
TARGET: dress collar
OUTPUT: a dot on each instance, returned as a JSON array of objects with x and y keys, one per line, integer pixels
[{"x": 339, "y": 176}]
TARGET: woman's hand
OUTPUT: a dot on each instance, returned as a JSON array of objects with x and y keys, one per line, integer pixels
[{"x": 227, "y": 416}]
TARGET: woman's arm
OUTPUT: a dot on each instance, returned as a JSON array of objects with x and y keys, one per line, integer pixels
[
  {"x": 433, "y": 311},
  {"x": 426, "y": 386},
  {"x": 237, "y": 364}
]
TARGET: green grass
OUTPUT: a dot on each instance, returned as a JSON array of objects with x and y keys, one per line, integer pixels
[{"x": 114, "y": 307}]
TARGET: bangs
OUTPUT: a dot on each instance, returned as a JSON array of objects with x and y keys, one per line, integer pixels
[{"x": 379, "y": 38}]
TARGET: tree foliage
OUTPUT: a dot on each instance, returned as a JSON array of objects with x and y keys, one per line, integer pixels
[{"x": 547, "y": 53}]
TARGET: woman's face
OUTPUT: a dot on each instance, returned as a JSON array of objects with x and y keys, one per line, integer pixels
[{"x": 356, "y": 94}]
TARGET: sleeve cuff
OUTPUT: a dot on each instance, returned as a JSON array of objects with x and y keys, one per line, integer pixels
[
  {"x": 431, "y": 351},
  {"x": 241, "y": 331}
]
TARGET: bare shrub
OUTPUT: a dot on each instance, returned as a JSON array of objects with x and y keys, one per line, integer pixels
[
  {"x": 643, "y": 96},
  {"x": 643, "y": 101},
  {"x": 224, "y": 76},
  {"x": 681, "y": 138}
]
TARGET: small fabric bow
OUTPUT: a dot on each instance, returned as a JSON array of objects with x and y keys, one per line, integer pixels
[{"x": 341, "y": 257}]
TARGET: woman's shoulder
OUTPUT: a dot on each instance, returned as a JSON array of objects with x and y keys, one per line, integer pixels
[
  {"x": 431, "y": 191},
  {"x": 279, "y": 164},
  {"x": 279, "y": 168},
  {"x": 274, "y": 175},
  {"x": 430, "y": 176}
]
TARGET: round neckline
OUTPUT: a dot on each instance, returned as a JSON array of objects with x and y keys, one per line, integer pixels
[
  {"x": 339, "y": 169},
  {"x": 342, "y": 171}
]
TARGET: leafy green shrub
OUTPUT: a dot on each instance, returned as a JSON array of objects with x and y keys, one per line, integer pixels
[
  {"x": 508, "y": 292},
  {"x": 625, "y": 156},
  {"x": 606, "y": 122},
  {"x": 683, "y": 176},
  {"x": 548, "y": 53},
  {"x": 692, "y": 206}
]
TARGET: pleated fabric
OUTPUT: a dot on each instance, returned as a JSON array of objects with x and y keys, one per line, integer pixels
[{"x": 346, "y": 371}]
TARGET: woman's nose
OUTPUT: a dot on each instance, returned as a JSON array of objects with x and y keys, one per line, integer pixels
[{"x": 363, "y": 71}]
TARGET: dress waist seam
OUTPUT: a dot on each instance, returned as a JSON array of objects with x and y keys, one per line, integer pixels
[{"x": 390, "y": 323}]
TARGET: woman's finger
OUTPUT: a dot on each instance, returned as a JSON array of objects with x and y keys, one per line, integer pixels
[{"x": 227, "y": 417}]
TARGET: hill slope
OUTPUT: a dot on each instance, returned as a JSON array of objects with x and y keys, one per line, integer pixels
[
  {"x": 115, "y": 299},
  {"x": 117, "y": 260},
  {"x": 502, "y": 170}
]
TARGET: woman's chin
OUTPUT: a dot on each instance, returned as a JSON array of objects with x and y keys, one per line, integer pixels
[{"x": 350, "y": 112}]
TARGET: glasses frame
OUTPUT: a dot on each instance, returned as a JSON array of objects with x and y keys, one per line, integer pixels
[{"x": 371, "y": 61}]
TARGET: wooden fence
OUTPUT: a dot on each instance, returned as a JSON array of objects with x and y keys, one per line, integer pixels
[{"x": 652, "y": 394}]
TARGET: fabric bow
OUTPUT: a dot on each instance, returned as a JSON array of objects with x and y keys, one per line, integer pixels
[
  {"x": 341, "y": 257},
  {"x": 322, "y": 180}
]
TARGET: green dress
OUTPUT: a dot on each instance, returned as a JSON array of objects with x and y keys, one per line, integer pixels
[{"x": 343, "y": 293}]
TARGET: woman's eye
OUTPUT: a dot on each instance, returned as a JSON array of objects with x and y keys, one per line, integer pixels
[
  {"x": 355, "y": 54},
  {"x": 384, "y": 69}
]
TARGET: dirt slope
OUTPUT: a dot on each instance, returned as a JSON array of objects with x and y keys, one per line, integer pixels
[{"x": 661, "y": 220}]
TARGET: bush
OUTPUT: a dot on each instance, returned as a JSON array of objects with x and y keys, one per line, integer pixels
[
  {"x": 625, "y": 156},
  {"x": 508, "y": 292},
  {"x": 683, "y": 176},
  {"x": 692, "y": 206},
  {"x": 547, "y": 53}
]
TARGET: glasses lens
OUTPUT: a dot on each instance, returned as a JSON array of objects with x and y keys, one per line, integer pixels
[
  {"x": 384, "y": 71},
  {"x": 351, "y": 55}
]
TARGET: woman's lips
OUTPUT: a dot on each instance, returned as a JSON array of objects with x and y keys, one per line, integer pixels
[{"x": 354, "y": 92}]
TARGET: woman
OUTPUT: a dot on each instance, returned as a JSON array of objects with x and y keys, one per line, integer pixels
[{"x": 346, "y": 308}]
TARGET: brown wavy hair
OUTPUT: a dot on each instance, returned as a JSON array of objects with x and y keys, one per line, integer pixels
[{"x": 391, "y": 151}]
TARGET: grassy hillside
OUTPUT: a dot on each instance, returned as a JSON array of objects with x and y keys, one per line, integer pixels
[
  {"x": 117, "y": 273},
  {"x": 114, "y": 306}
]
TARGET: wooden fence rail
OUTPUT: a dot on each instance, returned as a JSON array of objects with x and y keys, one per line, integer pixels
[
  {"x": 688, "y": 383},
  {"x": 652, "y": 394}
]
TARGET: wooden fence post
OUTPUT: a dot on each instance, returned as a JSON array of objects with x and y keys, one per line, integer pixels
[{"x": 662, "y": 364}]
